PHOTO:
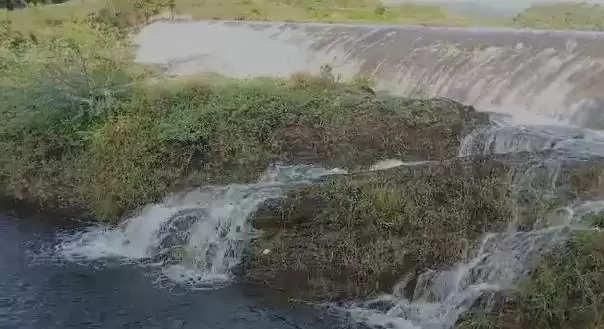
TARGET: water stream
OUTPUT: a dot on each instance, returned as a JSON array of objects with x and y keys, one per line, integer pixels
[{"x": 194, "y": 238}]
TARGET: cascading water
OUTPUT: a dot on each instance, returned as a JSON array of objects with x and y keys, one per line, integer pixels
[
  {"x": 197, "y": 237},
  {"x": 439, "y": 298},
  {"x": 505, "y": 135},
  {"x": 436, "y": 299}
]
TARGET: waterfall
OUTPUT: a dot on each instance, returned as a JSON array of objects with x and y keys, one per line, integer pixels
[
  {"x": 506, "y": 135},
  {"x": 196, "y": 238}
]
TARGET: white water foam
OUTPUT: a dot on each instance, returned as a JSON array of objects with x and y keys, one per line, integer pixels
[
  {"x": 393, "y": 163},
  {"x": 508, "y": 135},
  {"x": 197, "y": 237},
  {"x": 439, "y": 298}
]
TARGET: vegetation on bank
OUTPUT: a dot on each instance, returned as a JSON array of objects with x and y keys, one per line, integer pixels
[
  {"x": 84, "y": 130},
  {"x": 565, "y": 291},
  {"x": 361, "y": 11},
  {"x": 356, "y": 236},
  {"x": 122, "y": 13},
  {"x": 563, "y": 16}
]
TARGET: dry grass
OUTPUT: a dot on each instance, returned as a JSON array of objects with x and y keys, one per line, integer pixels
[{"x": 356, "y": 236}]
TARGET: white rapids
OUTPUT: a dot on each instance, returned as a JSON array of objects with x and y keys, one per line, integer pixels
[{"x": 197, "y": 237}]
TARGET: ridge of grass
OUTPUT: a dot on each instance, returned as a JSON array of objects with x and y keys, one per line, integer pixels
[{"x": 563, "y": 16}]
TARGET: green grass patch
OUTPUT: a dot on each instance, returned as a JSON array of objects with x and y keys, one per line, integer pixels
[
  {"x": 124, "y": 13},
  {"x": 83, "y": 128},
  {"x": 563, "y": 16}
]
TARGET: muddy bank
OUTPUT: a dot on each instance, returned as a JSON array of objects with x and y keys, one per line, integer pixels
[{"x": 356, "y": 236}]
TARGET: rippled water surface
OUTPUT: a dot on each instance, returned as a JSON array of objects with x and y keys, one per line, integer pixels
[{"x": 44, "y": 293}]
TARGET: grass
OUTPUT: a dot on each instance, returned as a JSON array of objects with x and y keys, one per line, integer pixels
[
  {"x": 362, "y": 233},
  {"x": 84, "y": 128},
  {"x": 122, "y": 13},
  {"x": 136, "y": 13},
  {"x": 93, "y": 135},
  {"x": 563, "y": 16},
  {"x": 362, "y": 11}
]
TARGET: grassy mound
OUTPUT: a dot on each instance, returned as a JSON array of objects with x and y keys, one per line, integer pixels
[
  {"x": 357, "y": 235},
  {"x": 108, "y": 150}
]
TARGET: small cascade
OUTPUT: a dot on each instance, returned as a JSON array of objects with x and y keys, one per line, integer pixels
[
  {"x": 501, "y": 140},
  {"x": 505, "y": 135},
  {"x": 439, "y": 298},
  {"x": 197, "y": 237}
]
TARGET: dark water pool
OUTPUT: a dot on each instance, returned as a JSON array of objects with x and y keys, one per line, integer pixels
[{"x": 51, "y": 294}]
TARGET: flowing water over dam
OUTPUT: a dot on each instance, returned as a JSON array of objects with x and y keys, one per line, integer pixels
[
  {"x": 534, "y": 75},
  {"x": 162, "y": 268}
]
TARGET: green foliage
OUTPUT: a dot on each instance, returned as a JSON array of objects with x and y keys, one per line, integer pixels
[
  {"x": 478, "y": 320},
  {"x": 595, "y": 220},
  {"x": 564, "y": 15},
  {"x": 116, "y": 144},
  {"x": 57, "y": 86},
  {"x": 565, "y": 291}
]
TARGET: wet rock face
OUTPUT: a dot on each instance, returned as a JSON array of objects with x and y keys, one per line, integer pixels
[
  {"x": 357, "y": 235},
  {"x": 175, "y": 235}
]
